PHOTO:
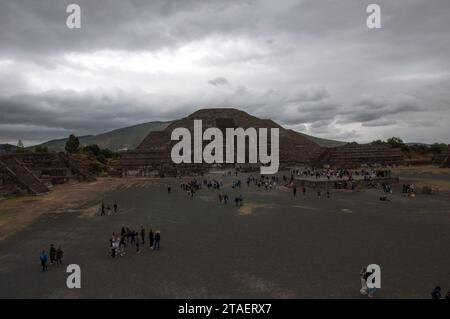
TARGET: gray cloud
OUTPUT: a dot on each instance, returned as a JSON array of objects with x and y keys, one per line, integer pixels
[
  {"x": 220, "y": 81},
  {"x": 311, "y": 65}
]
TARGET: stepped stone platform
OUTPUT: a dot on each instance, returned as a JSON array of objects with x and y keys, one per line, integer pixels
[
  {"x": 33, "y": 174},
  {"x": 443, "y": 159},
  {"x": 152, "y": 157},
  {"x": 357, "y": 155}
]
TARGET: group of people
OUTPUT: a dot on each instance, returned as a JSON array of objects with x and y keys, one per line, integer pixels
[
  {"x": 365, "y": 290},
  {"x": 408, "y": 189},
  {"x": 339, "y": 174},
  {"x": 54, "y": 255},
  {"x": 132, "y": 238},
  {"x": 106, "y": 209}
]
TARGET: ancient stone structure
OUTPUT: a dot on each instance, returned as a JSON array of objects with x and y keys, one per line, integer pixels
[
  {"x": 152, "y": 157},
  {"x": 33, "y": 174},
  {"x": 355, "y": 155},
  {"x": 443, "y": 159}
]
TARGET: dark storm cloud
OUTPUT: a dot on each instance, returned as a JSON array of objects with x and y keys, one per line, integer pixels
[{"x": 307, "y": 64}]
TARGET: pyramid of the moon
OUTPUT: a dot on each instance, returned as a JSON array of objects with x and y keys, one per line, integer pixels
[{"x": 152, "y": 156}]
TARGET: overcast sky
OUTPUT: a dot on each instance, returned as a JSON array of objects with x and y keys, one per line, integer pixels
[{"x": 310, "y": 65}]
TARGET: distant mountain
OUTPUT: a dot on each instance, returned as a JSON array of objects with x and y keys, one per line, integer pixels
[
  {"x": 116, "y": 140},
  {"x": 130, "y": 137},
  {"x": 323, "y": 141}
]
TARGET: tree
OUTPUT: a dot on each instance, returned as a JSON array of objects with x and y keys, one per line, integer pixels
[
  {"x": 395, "y": 142},
  {"x": 378, "y": 142},
  {"x": 438, "y": 148},
  {"x": 72, "y": 144}
]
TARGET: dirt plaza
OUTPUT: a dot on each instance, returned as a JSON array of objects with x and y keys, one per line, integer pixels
[{"x": 273, "y": 246}]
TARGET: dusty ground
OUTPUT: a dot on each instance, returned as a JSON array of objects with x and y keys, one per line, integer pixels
[
  {"x": 19, "y": 212},
  {"x": 274, "y": 246}
]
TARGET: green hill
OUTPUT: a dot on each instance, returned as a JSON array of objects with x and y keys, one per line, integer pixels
[
  {"x": 323, "y": 142},
  {"x": 116, "y": 140},
  {"x": 130, "y": 137}
]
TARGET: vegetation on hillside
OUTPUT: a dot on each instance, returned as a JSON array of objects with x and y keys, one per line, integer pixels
[{"x": 421, "y": 149}]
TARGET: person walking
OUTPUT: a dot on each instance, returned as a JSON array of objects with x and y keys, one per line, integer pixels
[
  {"x": 362, "y": 275},
  {"x": 115, "y": 207},
  {"x": 151, "y": 238},
  {"x": 59, "y": 256},
  {"x": 44, "y": 258},
  {"x": 157, "y": 240},
  {"x": 102, "y": 209},
  {"x": 294, "y": 191},
  {"x": 143, "y": 234},
  {"x": 52, "y": 253}
]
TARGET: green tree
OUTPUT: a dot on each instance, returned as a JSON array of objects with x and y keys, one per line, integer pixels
[
  {"x": 93, "y": 150},
  {"x": 72, "y": 144},
  {"x": 395, "y": 142},
  {"x": 378, "y": 142},
  {"x": 438, "y": 148}
]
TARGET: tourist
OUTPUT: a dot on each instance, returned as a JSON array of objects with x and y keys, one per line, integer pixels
[
  {"x": 241, "y": 199},
  {"x": 122, "y": 245},
  {"x": 328, "y": 193},
  {"x": 294, "y": 190},
  {"x": 115, "y": 207},
  {"x": 370, "y": 291},
  {"x": 44, "y": 258},
  {"x": 362, "y": 275},
  {"x": 236, "y": 201},
  {"x": 169, "y": 189},
  {"x": 52, "y": 253},
  {"x": 137, "y": 247},
  {"x": 102, "y": 209},
  {"x": 225, "y": 199},
  {"x": 304, "y": 190},
  {"x": 143, "y": 234},
  {"x": 151, "y": 238},
  {"x": 157, "y": 240},
  {"x": 436, "y": 293},
  {"x": 133, "y": 236},
  {"x": 59, "y": 256},
  {"x": 108, "y": 210}
]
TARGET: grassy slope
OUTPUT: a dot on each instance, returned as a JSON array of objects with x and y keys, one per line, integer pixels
[{"x": 130, "y": 137}]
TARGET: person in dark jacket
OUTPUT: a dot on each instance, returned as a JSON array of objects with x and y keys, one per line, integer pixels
[
  {"x": 59, "y": 256},
  {"x": 157, "y": 240},
  {"x": 43, "y": 258},
  {"x": 151, "y": 238},
  {"x": 52, "y": 253},
  {"x": 143, "y": 234},
  {"x": 436, "y": 293}
]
